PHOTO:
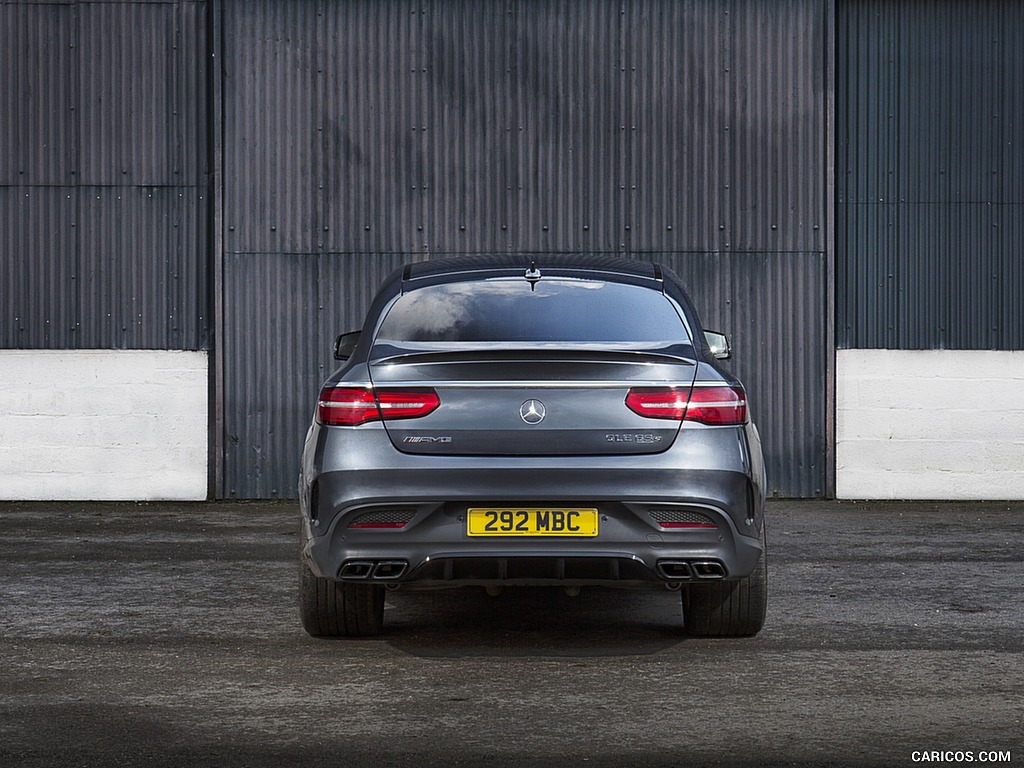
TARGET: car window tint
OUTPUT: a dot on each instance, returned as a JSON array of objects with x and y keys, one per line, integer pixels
[{"x": 556, "y": 309}]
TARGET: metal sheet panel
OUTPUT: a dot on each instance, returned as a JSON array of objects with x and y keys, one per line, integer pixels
[
  {"x": 271, "y": 354},
  {"x": 930, "y": 107},
  {"x": 272, "y": 150},
  {"x": 726, "y": 125},
  {"x": 142, "y": 278},
  {"x": 105, "y": 209},
  {"x": 39, "y": 296},
  {"x": 37, "y": 64},
  {"x": 104, "y": 268},
  {"x": 103, "y": 93},
  {"x": 120, "y": 61},
  {"x": 141, "y": 95}
]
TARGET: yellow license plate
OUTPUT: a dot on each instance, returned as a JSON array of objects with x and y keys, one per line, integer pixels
[{"x": 517, "y": 521}]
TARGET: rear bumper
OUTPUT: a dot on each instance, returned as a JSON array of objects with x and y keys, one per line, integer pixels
[{"x": 434, "y": 549}]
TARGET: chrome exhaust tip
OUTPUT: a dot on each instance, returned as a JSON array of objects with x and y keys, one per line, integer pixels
[
  {"x": 674, "y": 569},
  {"x": 390, "y": 569},
  {"x": 356, "y": 569},
  {"x": 710, "y": 569}
]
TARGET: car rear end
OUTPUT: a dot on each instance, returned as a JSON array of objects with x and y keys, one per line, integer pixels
[{"x": 492, "y": 430}]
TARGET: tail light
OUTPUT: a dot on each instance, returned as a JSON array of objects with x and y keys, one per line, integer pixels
[
  {"x": 406, "y": 404},
  {"x": 717, "y": 406},
  {"x": 350, "y": 406},
  {"x": 657, "y": 402},
  {"x": 725, "y": 406}
]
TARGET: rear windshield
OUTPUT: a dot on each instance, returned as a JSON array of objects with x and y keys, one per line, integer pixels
[{"x": 556, "y": 310}]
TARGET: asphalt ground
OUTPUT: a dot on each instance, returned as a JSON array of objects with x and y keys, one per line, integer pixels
[{"x": 167, "y": 635}]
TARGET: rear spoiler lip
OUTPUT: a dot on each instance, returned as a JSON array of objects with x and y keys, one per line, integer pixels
[{"x": 513, "y": 356}]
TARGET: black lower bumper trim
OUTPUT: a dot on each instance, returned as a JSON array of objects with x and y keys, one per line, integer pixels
[{"x": 518, "y": 569}]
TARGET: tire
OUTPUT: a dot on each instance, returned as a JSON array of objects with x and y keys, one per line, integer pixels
[
  {"x": 728, "y": 608},
  {"x": 338, "y": 609}
]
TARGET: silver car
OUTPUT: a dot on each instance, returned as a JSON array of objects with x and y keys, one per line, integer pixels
[{"x": 560, "y": 421}]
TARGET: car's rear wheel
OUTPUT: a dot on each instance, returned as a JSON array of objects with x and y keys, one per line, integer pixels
[
  {"x": 728, "y": 608},
  {"x": 339, "y": 609}
]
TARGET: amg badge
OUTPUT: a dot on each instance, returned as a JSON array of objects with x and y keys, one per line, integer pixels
[
  {"x": 426, "y": 439},
  {"x": 645, "y": 438}
]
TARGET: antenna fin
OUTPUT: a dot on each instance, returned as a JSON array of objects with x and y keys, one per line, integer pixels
[{"x": 533, "y": 275}]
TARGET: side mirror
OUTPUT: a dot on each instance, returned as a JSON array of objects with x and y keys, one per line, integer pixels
[
  {"x": 345, "y": 345},
  {"x": 719, "y": 344}
]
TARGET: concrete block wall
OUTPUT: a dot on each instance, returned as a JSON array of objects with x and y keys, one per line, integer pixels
[
  {"x": 931, "y": 424},
  {"x": 103, "y": 425}
]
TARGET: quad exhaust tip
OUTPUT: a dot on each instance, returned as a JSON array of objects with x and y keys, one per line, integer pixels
[
  {"x": 682, "y": 570},
  {"x": 382, "y": 570},
  {"x": 356, "y": 569},
  {"x": 709, "y": 569},
  {"x": 389, "y": 569},
  {"x": 675, "y": 569}
]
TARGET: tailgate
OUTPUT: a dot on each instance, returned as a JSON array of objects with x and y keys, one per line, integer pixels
[{"x": 532, "y": 407}]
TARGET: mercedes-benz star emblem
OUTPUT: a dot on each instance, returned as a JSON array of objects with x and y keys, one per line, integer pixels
[{"x": 532, "y": 411}]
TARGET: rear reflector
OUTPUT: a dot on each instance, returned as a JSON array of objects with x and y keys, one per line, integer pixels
[
  {"x": 716, "y": 405},
  {"x": 350, "y": 406},
  {"x": 384, "y": 519},
  {"x": 682, "y": 518}
]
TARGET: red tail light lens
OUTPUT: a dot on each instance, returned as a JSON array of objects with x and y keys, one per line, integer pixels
[
  {"x": 379, "y": 526},
  {"x": 657, "y": 402},
  {"x": 407, "y": 404},
  {"x": 350, "y": 406},
  {"x": 717, "y": 406},
  {"x": 343, "y": 407}
]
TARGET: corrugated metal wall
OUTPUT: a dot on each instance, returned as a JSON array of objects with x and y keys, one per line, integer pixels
[
  {"x": 282, "y": 314},
  {"x": 361, "y": 134},
  {"x": 930, "y": 158},
  {"x": 359, "y": 127},
  {"x": 104, "y": 235},
  {"x": 767, "y": 300}
]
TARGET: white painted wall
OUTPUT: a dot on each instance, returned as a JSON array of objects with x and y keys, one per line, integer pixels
[
  {"x": 103, "y": 424},
  {"x": 930, "y": 424}
]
